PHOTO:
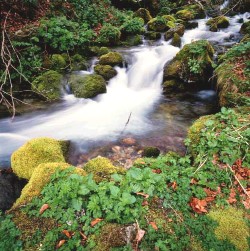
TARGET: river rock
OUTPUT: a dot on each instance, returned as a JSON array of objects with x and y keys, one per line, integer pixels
[
  {"x": 35, "y": 152},
  {"x": 111, "y": 58},
  {"x": 176, "y": 40},
  {"x": 87, "y": 86},
  {"x": 152, "y": 35},
  {"x": 129, "y": 141},
  {"x": 144, "y": 14},
  {"x": 106, "y": 71},
  {"x": 159, "y": 24},
  {"x": 217, "y": 23},
  {"x": 151, "y": 152},
  {"x": 189, "y": 12},
  {"x": 48, "y": 85},
  {"x": 179, "y": 29}
]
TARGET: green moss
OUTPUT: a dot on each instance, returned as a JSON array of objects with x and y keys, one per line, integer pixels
[
  {"x": 231, "y": 227},
  {"x": 48, "y": 84},
  {"x": 172, "y": 70},
  {"x": 88, "y": 86},
  {"x": 218, "y": 22},
  {"x": 152, "y": 35},
  {"x": 102, "y": 168},
  {"x": 144, "y": 14},
  {"x": 40, "y": 177},
  {"x": 158, "y": 24},
  {"x": 185, "y": 15},
  {"x": 103, "y": 51},
  {"x": 58, "y": 62},
  {"x": 78, "y": 63},
  {"x": 179, "y": 29},
  {"x": 111, "y": 236},
  {"x": 111, "y": 58},
  {"x": 176, "y": 41},
  {"x": 106, "y": 71},
  {"x": 245, "y": 28},
  {"x": 35, "y": 152},
  {"x": 169, "y": 18},
  {"x": 151, "y": 152},
  {"x": 173, "y": 85}
]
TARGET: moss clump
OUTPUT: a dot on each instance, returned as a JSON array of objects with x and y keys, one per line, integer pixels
[
  {"x": 78, "y": 63},
  {"x": 48, "y": 84},
  {"x": 232, "y": 227},
  {"x": 173, "y": 85},
  {"x": 151, "y": 152},
  {"x": 179, "y": 29},
  {"x": 169, "y": 18},
  {"x": 217, "y": 23},
  {"x": 152, "y": 35},
  {"x": 245, "y": 28},
  {"x": 113, "y": 235},
  {"x": 88, "y": 86},
  {"x": 58, "y": 63},
  {"x": 106, "y": 71},
  {"x": 176, "y": 41},
  {"x": 185, "y": 15},
  {"x": 40, "y": 177},
  {"x": 189, "y": 12},
  {"x": 158, "y": 24},
  {"x": 111, "y": 58},
  {"x": 99, "y": 51},
  {"x": 193, "y": 64},
  {"x": 101, "y": 168},
  {"x": 35, "y": 152},
  {"x": 144, "y": 14},
  {"x": 233, "y": 76}
]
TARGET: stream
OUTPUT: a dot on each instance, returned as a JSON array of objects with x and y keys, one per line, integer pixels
[{"x": 133, "y": 106}]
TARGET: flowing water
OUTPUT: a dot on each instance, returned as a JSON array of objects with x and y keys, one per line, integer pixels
[{"x": 134, "y": 97}]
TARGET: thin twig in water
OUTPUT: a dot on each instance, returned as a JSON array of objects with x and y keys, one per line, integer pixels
[{"x": 126, "y": 123}]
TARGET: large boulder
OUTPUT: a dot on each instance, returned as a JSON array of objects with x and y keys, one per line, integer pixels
[
  {"x": 176, "y": 40},
  {"x": 179, "y": 29},
  {"x": 48, "y": 85},
  {"x": 144, "y": 14},
  {"x": 88, "y": 86},
  {"x": 152, "y": 35},
  {"x": 35, "y": 152},
  {"x": 217, "y": 23},
  {"x": 111, "y": 58},
  {"x": 106, "y": 71},
  {"x": 189, "y": 12},
  {"x": 102, "y": 168},
  {"x": 40, "y": 177},
  {"x": 233, "y": 76},
  {"x": 160, "y": 24},
  {"x": 193, "y": 64}
]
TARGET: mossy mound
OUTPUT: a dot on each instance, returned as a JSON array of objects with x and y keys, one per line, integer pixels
[
  {"x": 144, "y": 14},
  {"x": 35, "y": 152},
  {"x": 193, "y": 64},
  {"x": 40, "y": 177},
  {"x": 160, "y": 24},
  {"x": 133, "y": 40},
  {"x": 231, "y": 227},
  {"x": 78, "y": 62},
  {"x": 111, "y": 58},
  {"x": 176, "y": 40},
  {"x": 106, "y": 71},
  {"x": 152, "y": 35},
  {"x": 58, "y": 63},
  {"x": 245, "y": 28},
  {"x": 217, "y": 23},
  {"x": 233, "y": 76},
  {"x": 48, "y": 85},
  {"x": 185, "y": 15},
  {"x": 102, "y": 168},
  {"x": 179, "y": 29},
  {"x": 88, "y": 86},
  {"x": 189, "y": 12},
  {"x": 151, "y": 152}
]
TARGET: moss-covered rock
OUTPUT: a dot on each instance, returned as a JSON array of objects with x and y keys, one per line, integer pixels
[
  {"x": 133, "y": 40},
  {"x": 40, "y": 177},
  {"x": 152, "y": 35},
  {"x": 159, "y": 24},
  {"x": 111, "y": 58},
  {"x": 189, "y": 12},
  {"x": 169, "y": 18},
  {"x": 99, "y": 51},
  {"x": 176, "y": 40},
  {"x": 185, "y": 15},
  {"x": 245, "y": 28},
  {"x": 171, "y": 86},
  {"x": 78, "y": 62},
  {"x": 233, "y": 76},
  {"x": 217, "y": 23},
  {"x": 193, "y": 64},
  {"x": 58, "y": 63},
  {"x": 48, "y": 85},
  {"x": 144, "y": 14},
  {"x": 35, "y": 152},
  {"x": 106, "y": 71},
  {"x": 151, "y": 152},
  {"x": 88, "y": 86},
  {"x": 102, "y": 168},
  {"x": 179, "y": 29},
  {"x": 231, "y": 227}
]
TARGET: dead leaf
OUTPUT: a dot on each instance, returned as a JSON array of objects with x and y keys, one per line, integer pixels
[
  {"x": 43, "y": 208},
  {"x": 143, "y": 194},
  {"x": 153, "y": 224},
  {"x": 174, "y": 185},
  {"x": 144, "y": 203},
  {"x": 95, "y": 221},
  {"x": 158, "y": 171},
  {"x": 60, "y": 243},
  {"x": 232, "y": 196},
  {"x": 83, "y": 236},
  {"x": 67, "y": 233},
  {"x": 198, "y": 205},
  {"x": 246, "y": 203}
]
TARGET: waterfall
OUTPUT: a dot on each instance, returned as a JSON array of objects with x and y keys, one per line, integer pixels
[{"x": 224, "y": 5}]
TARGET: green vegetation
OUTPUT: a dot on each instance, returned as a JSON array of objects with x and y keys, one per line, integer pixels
[
  {"x": 217, "y": 23},
  {"x": 106, "y": 71},
  {"x": 112, "y": 58}
]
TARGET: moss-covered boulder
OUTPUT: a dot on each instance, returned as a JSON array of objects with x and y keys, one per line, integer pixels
[
  {"x": 151, "y": 152},
  {"x": 77, "y": 62},
  {"x": 233, "y": 76},
  {"x": 88, "y": 86},
  {"x": 133, "y": 40},
  {"x": 217, "y": 23},
  {"x": 40, "y": 177},
  {"x": 245, "y": 28},
  {"x": 58, "y": 63},
  {"x": 111, "y": 58},
  {"x": 106, "y": 71},
  {"x": 193, "y": 64},
  {"x": 48, "y": 85},
  {"x": 102, "y": 168},
  {"x": 185, "y": 15},
  {"x": 231, "y": 227},
  {"x": 179, "y": 29},
  {"x": 189, "y": 12},
  {"x": 172, "y": 86},
  {"x": 98, "y": 51},
  {"x": 35, "y": 152},
  {"x": 144, "y": 14},
  {"x": 176, "y": 40},
  {"x": 160, "y": 24},
  {"x": 152, "y": 35}
]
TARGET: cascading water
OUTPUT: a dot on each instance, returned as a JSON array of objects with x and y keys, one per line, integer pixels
[
  {"x": 133, "y": 93},
  {"x": 224, "y": 5}
]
